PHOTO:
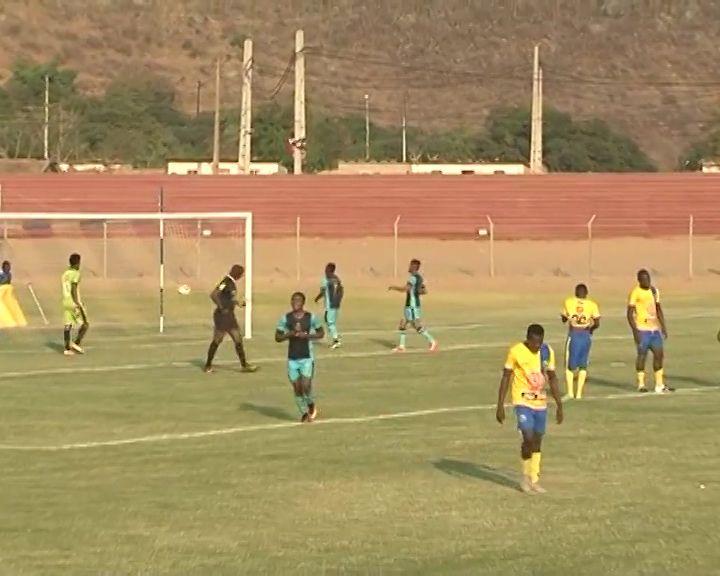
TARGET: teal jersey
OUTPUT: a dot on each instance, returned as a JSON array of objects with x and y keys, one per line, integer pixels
[
  {"x": 299, "y": 348},
  {"x": 412, "y": 298},
  {"x": 333, "y": 291}
]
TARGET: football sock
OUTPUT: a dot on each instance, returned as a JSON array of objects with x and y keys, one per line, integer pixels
[
  {"x": 641, "y": 379},
  {"x": 309, "y": 396},
  {"x": 569, "y": 377},
  {"x": 240, "y": 349},
  {"x": 659, "y": 378},
  {"x": 527, "y": 467},
  {"x": 427, "y": 335},
  {"x": 211, "y": 352},
  {"x": 81, "y": 334},
  {"x": 535, "y": 466},
  {"x": 66, "y": 336},
  {"x": 332, "y": 328},
  {"x": 301, "y": 404},
  {"x": 402, "y": 339},
  {"x": 582, "y": 376}
]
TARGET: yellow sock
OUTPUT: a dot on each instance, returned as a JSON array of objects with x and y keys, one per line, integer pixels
[
  {"x": 641, "y": 379},
  {"x": 582, "y": 376},
  {"x": 659, "y": 378},
  {"x": 527, "y": 467},
  {"x": 569, "y": 376},
  {"x": 535, "y": 466}
]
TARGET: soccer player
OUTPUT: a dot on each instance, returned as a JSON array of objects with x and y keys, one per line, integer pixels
[
  {"x": 332, "y": 290},
  {"x": 225, "y": 298},
  {"x": 5, "y": 273},
  {"x": 300, "y": 328},
  {"x": 583, "y": 317},
  {"x": 413, "y": 289},
  {"x": 647, "y": 322},
  {"x": 73, "y": 309},
  {"x": 530, "y": 365}
]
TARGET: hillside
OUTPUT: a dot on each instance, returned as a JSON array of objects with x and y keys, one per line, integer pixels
[{"x": 644, "y": 66}]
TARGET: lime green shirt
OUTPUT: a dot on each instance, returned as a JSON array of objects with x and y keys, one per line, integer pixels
[{"x": 70, "y": 276}]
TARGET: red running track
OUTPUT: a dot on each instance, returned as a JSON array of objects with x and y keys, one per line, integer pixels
[{"x": 554, "y": 206}]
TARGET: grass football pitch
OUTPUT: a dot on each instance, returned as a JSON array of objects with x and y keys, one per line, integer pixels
[{"x": 130, "y": 460}]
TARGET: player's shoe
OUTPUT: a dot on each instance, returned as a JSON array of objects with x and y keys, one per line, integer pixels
[
  {"x": 399, "y": 349},
  {"x": 642, "y": 390},
  {"x": 526, "y": 485},
  {"x": 250, "y": 368},
  {"x": 336, "y": 344},
  {"x": 664, "y": 390},
  {"x": 77, "y": 348},
  {"x": 568, "y": 397},
  {"x": 433, "y": 346},
  {"x": 312, "y": 412},
  {"x": 537, "y": 489},
  {"x": 305, "y": 418},
  {"x": 69, "y": 352},
  {"x": 208, "y": 369}
]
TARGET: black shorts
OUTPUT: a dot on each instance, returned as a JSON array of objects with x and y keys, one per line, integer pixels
[{"x": 225, "y": 321}]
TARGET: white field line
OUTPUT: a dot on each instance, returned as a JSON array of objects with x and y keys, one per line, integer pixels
[
  {"x": 273, "y": 359},
  {"x": 282, "y": 425}
]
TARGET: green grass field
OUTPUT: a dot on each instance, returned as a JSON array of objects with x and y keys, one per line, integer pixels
[{"x": 405, "y": 472}]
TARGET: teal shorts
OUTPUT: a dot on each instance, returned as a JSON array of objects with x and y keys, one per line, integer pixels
[
  {"x": 331, "y": 316},
  {"x": 297, "y": 368},
  {"x": 412, "y": 313}
]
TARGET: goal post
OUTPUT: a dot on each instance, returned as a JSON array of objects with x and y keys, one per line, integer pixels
[{"x": 164, "y": 220}]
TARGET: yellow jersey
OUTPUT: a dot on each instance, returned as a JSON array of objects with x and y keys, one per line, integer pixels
[
  {"x": 580, "y": 312},
  {"x": 529, "y": 374},
  {"x": 645, "y": 304}
]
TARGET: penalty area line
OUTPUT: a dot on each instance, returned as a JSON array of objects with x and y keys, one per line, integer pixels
[{"x": 327, "y": 422}]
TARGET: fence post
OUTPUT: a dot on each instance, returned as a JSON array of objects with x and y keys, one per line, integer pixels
[
  {"x": 691, "y": 234},
  {"x": 492, "y": 246},
  {"x": 297, "y": 248},
  {"x": 590, "y": 245},
  {"x": 197, "y": 248},
  {"x": 395, "y": 246},
  {"x": 105, "y": 249}
]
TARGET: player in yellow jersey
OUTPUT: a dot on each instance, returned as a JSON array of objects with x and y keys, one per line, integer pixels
[
  {"x": 529, "y": 368},
  {"x": 73, "y": 309},
  {"x": 582, "y": 316},
  {"x": 647, "y": 322}
]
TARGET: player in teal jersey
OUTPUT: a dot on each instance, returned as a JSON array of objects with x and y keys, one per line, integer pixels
[
  {"x": 331, "y": 289},
  {"x": 413, "y": 289},
  {"x": 299, "y": 328},
  {"x": 73, "y": 309}
]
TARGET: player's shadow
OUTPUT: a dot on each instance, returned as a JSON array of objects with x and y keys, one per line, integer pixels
[
  {"x": 55, "y": 346},
  {"x": 268, "y": 411},
  {"x": 460, "y": 468},
  {"x": 703, "y": 382},
  {"x": 625, "y": 385},
  {"x": 389, "y": 344}
]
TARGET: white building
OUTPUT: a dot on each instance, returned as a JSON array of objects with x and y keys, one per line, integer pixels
[{"x": 183, "y": 168}]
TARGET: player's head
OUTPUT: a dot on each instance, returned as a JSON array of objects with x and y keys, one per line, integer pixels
[
  {"x": 535, "y": 337},
  {"x": 6, "y": 266},
  {"x": 643, "y": 278},
  {"x": 297, "y": 301},
  {"x": 74, "y": 260},
  {"x": 236, "y": 272},
  {"x": 414, "y": 266},
  {"x": 581, "y": 291},
  {"x": 330, "y": 269}
]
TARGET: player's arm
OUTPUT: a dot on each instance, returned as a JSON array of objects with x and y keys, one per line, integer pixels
[
  {"x": 423, "y": 290},
  {"x": 215, "y": 296},
  {"x": 74, "y": 295},
  {"x": 320, "y": 295},
  {"x": 661, "y": 319},
  {"x": 407, "y": 288},
  {"x": 317, "y": 332},
  {"x": 555, "y": 392},
  {"x": 631, "y": 320},
  {"x": 595, "y": 325},
  {"x": 281, "y": 332},
  {"x": 502, "y": 394}
]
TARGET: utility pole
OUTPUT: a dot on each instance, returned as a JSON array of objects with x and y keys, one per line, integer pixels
[
  {"x": 299, "y": 102},
  {"x": 245, "y": 136},
  {"x": 404, "y": 128},
  {"x": 46, "y": 128},
  {"x": 198, "y": 85},
  {"x": 216, "y": 128},
  {"x": 367, "y": 127},
  {"x": 536, "y": 152}
]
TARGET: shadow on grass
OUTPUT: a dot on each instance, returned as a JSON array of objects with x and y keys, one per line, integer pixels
[
  {"x": 459, "y": 468},
  {"x": 58, "y": 347},
  {"x": 389, "y": 344},
  {"x": 627, "y": 385},
  {"x": 674, "y": 379},
  {"x": 269, "y": 411}
]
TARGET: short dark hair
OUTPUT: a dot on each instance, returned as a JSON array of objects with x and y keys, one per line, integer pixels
[
  {"x": 642, "y": 272},
  {"x": 5, "y": 263},
  {"x": 74, "y": 259},
  {"x": 415, "y": 261},
  {"x": 535, "y": 330},
  {"x": 237, "y": 271},
  {"x": 581, "y": 288},
  {"x": 330, "y": 267},
  {"x": 299, "y": 294}
]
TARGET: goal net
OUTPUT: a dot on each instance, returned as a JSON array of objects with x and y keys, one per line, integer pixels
[{"x": 135, "y": 266}]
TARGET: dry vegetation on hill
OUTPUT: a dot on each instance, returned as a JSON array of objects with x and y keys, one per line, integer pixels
[{"x": 645, "y": 66}]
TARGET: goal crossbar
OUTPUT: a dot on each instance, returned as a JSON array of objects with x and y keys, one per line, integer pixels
[{"x": 161, "y": 218}]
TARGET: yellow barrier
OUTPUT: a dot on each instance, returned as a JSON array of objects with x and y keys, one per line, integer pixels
[{"x": 11, "y": 315}]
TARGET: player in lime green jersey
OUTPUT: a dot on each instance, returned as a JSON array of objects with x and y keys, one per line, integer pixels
[{"x": 73, "y": 309}]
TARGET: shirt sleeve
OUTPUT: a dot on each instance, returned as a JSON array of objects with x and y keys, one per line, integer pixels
[
  {"x": 324, "y": 283},
  {"x": 656, "y": 294},
  {"x": 510, "y": 360},
  {"x": 632, "y": 300},
  {"x": 315, "y": 323},
  {"x": 282, "y": 325}
]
